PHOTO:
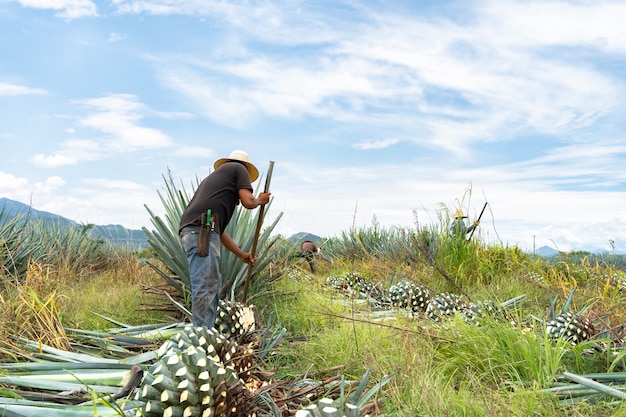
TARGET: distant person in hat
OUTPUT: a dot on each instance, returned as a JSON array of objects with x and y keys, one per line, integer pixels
[
  {"x": 220, "y": 192},
  {"x": 459, "y": 227}
]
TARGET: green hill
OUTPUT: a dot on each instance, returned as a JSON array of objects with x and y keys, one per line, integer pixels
[{"x": 114, "y": 233}]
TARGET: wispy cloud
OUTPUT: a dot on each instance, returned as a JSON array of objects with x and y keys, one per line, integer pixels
[
  {"x": 65, "y": 9},
  {"x": 455, "y": 82},
  {"x": 598, "y": 25},
  {"x": 7, "y": 89},
  {"x": 53, "y": 161},
  {"x": 115, "y": 37},
  {"x": 117, "y": 118},
  {"x": 378, "y": 144}
]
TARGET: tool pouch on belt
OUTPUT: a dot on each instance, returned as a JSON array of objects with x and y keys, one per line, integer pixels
[{"x": 204, "y": 236}]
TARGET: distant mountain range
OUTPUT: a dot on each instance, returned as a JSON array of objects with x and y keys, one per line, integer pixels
[{"x": 113, "y": 233}]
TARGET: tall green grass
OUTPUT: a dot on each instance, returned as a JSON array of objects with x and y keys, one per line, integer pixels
[{"x": 450, "y": 369}]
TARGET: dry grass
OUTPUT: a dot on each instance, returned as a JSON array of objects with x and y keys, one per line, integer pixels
[{"x": 47, "y": 302}]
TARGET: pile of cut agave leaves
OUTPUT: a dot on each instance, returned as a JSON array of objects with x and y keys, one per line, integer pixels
[{"x": 172, "y": 370}]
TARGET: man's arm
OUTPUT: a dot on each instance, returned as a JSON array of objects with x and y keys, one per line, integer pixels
[
  {"x": 230, "y": 244},
  {"x": 249, "y": 201}
]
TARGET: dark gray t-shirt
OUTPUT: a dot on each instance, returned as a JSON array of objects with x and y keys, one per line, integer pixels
[{"x": 218, "y": 192}]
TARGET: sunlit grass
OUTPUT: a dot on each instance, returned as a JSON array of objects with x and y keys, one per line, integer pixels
[
  {"x": 440, "y": 369},
  {"x": 119, "y": 294}
]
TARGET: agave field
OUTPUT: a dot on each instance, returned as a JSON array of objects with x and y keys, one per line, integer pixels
[{"x": 394, "y": 322}]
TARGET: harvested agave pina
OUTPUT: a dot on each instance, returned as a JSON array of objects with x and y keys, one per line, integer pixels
[
  {"x": 444, "y": 306},
  {"x": 571, "y": 327},
  {"x": 410, "y": 296},
  {"x": 198, "y": 370}
]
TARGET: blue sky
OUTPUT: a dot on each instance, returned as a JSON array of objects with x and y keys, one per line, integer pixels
[{"x": 395, "y": 111}]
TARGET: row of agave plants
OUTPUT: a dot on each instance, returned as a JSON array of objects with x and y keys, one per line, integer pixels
[
  {"x": 410, "y": 299},
  {"x": 420, "y": 301},
  {"x": 24, "y": 240}
]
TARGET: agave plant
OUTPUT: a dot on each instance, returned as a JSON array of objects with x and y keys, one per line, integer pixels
[
  {"x": 25, "y": 241},
  {"x": 165, "y": 242},
  {"x": 13, "y": 253}
]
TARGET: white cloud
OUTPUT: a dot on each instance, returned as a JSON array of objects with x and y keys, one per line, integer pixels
[
  {"x": 118, "y": 103},
  {"x": 53, "y": 161},
  {"x": 9, "y": 183},
  {"x": 124, "y": 134},
  {"x": 115, "y": 37},
  {"x": 597, "y": 24},
  {"x": 96, "y": 200},
  {"x": 66, "y": 9},
  {"x": 110, "y": 201},
  {"x": 20, "y": 189},
  {"x": 379, "y": 144},
  {"x": 118, "y": 116},
  {"x": 7, "y": 89},
  {"x": 71, "y": 152},
  {"x": 117, "y": 121},
  {"x": 231, "y": 11},
  {"x": 50, "y": 185}
]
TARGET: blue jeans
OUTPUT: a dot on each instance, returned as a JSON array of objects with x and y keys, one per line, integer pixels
[{"x": 204, "y": 273}]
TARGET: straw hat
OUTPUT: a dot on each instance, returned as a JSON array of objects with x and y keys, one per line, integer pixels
[
  {"x": 239, "y": 156},
  {"x": 459, "y": 214}
]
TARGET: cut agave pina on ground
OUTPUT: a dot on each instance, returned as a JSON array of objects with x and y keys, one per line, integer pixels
[
  {"x": 572, "y": 327},
  {"x": 445, "y": 305}
]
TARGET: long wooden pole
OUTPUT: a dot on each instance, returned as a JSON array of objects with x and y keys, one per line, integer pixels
[
  {"x": 259, "y": 223},
  {"x": 479, "y": 216}
]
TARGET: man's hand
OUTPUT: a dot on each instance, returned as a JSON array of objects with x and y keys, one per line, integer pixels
[
  {"x": 248, "y": 258},
  {"x": 264, "y": 198},
  {"x": 476, "y": 223}
]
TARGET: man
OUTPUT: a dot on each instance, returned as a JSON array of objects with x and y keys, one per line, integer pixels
[
  {"x": 458, "y": 226},
  {"x": 220, "y": 192},
  {"x": 308, "y": 250}
]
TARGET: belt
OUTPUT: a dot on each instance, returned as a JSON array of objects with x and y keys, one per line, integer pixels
[{"x": 194, "y": 230}]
